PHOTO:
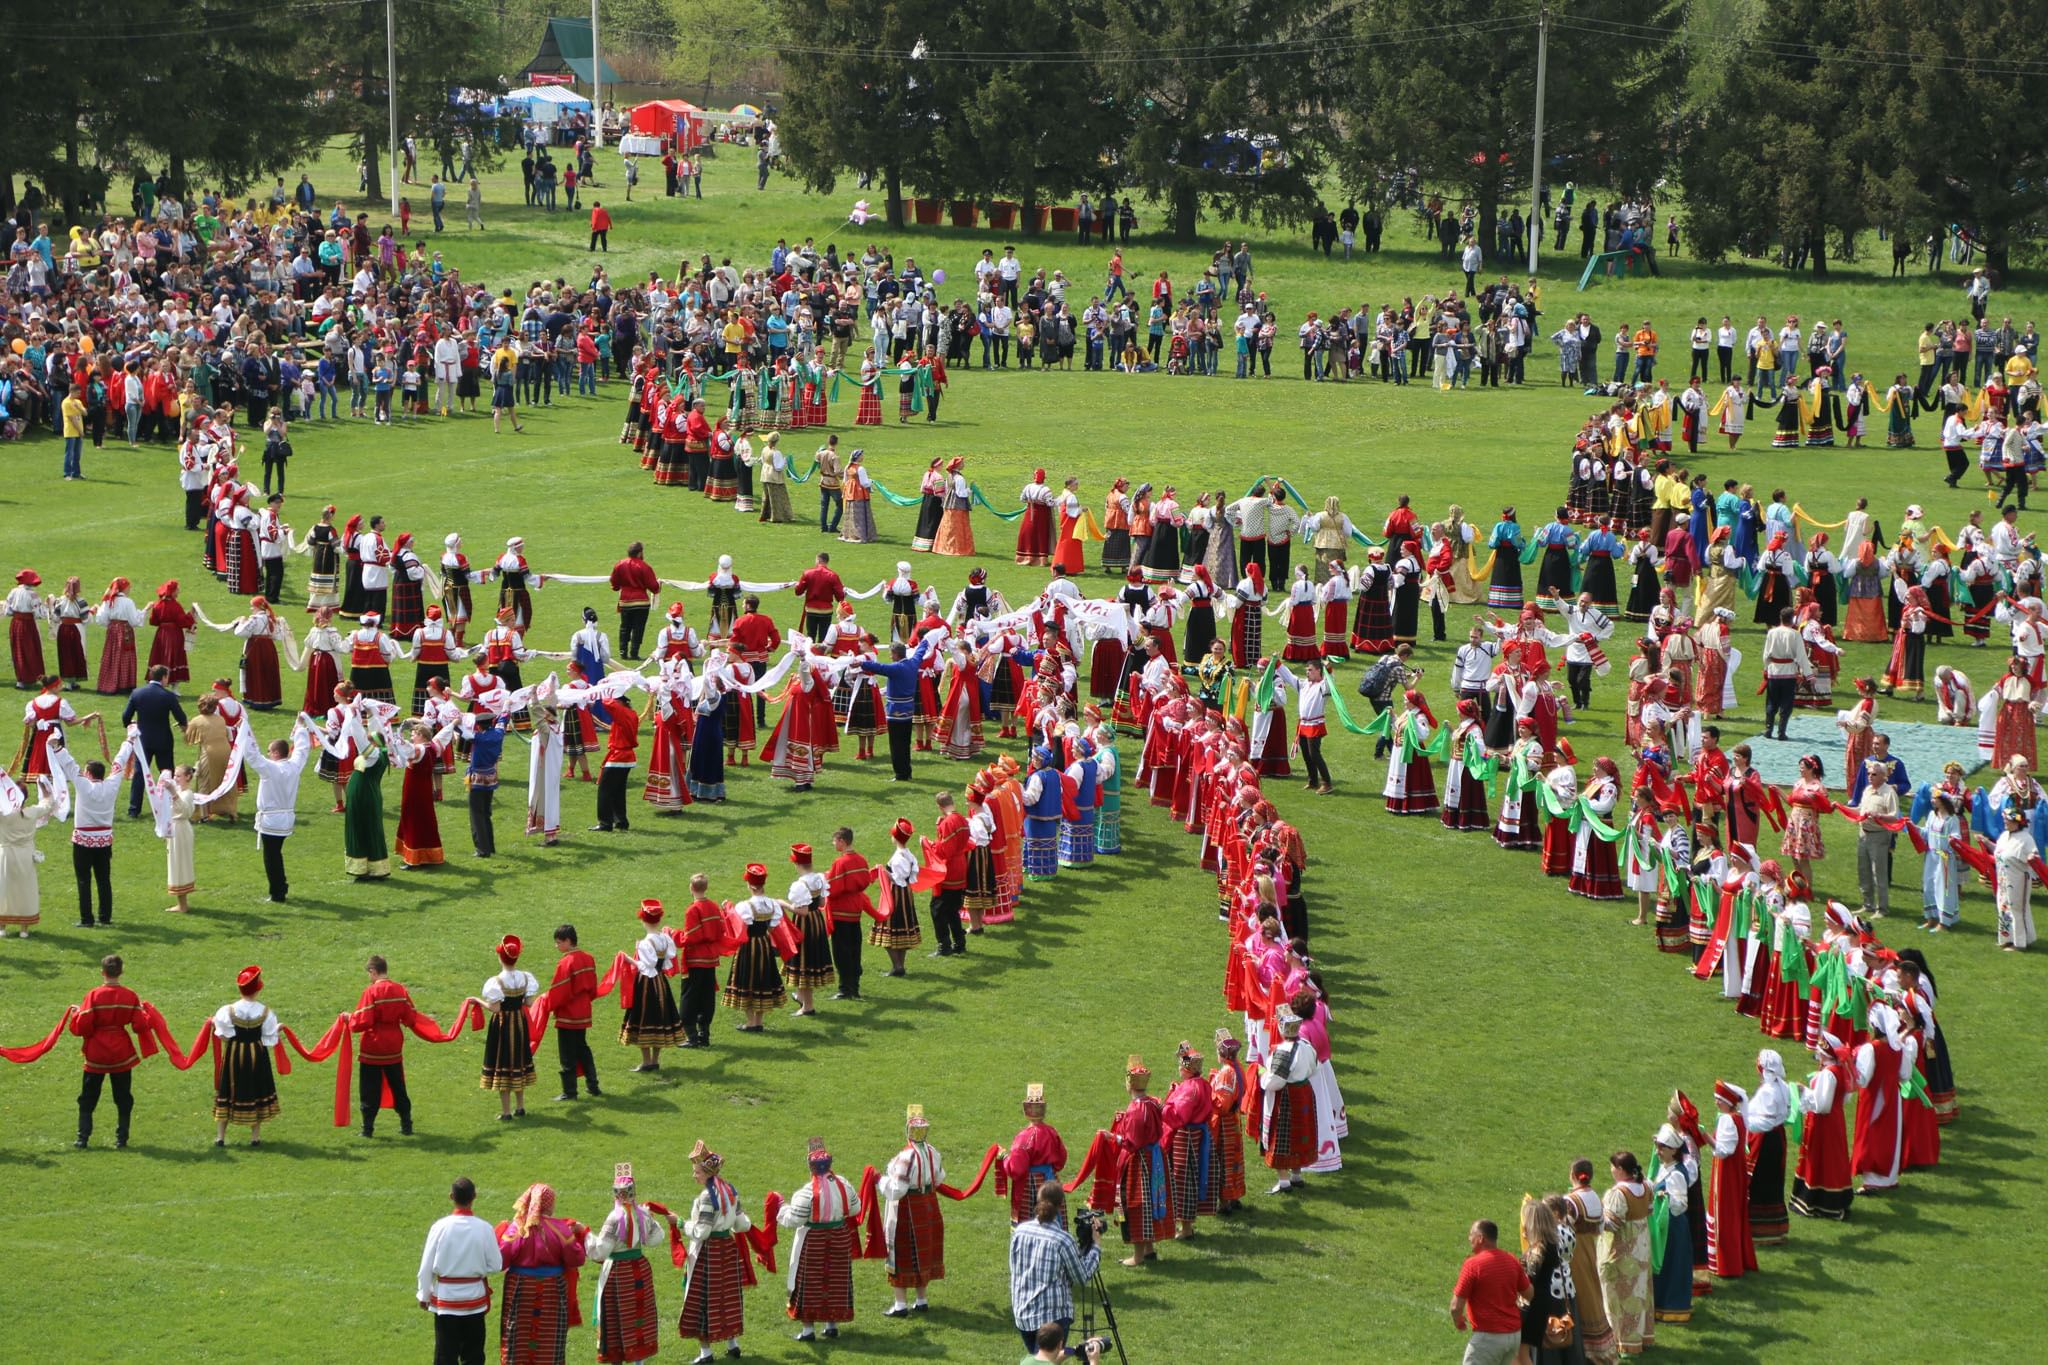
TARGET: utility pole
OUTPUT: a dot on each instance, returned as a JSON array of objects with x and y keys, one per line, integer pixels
[
  {"x": 596, "y": 80},
  {"x": 1536, "y": 223},
  {"x": 391, "y": 89}
]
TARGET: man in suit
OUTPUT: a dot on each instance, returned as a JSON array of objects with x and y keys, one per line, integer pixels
[{"x": 153, "y": 708}]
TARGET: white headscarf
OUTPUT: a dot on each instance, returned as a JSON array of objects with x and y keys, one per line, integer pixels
[{"x": 1771, "y": 1103}]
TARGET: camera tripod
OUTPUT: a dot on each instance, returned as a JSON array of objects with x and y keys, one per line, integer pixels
[{"x": 1092, "y": 1293}]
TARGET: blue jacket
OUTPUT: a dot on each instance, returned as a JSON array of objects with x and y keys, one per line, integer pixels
[
  {"x": 153, "y": 707},
  {"x": 899, "y": 697},
  {"x": 485, "y": 746}
]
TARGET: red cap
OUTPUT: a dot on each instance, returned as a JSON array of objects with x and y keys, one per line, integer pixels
[
  {"x": 799, "y": 853},
  {"x": 509, "y": 948},
  {"x": 250, "y": 980},
  {"x": 650, "y": 912},
  {"x": 757, "y": 875},
  {"x": 903, "y": 829}
]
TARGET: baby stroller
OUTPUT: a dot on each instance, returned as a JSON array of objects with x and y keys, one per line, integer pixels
[{"x": 1177, "y": 356}]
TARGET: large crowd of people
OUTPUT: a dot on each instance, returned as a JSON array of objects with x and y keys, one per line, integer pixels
[{"x": 1173, "y": 685}]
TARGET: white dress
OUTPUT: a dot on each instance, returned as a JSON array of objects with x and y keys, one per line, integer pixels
[
  {"x": 2015, "y": 848},
  {"x": 20, "y": 896}
]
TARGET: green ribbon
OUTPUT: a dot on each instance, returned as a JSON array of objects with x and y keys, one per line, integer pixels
[
  {"x": 1262, "y": 690},
  {"x": 1479, "y": 767},
  {"x": 1553, "y": 805},
  {"x": 978, "y": 499},
  {"x": 920, "y": 387},
  {"x": 1660, "y": 1217},
  {"x": 1584, "y": 818},
  {"x": 897, "y": 499},
  {"x": 1795, "y": 1122},
  {"x": 1343, "y": 713},
  {"x": 804, "y": 477},
  {"x": 1914, "y": 1087}
]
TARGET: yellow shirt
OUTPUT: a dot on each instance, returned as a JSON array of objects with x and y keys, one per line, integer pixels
[
  {"x": 1927, "y": 348},
  {"x": 74, "y": 415},
  {"x": 735, "y": 336},
  {"x": 503, "y": 362}
]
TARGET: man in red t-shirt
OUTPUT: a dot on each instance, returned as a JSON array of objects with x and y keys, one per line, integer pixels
[
  {"x": 570, "y": 997},
  {"x": 110, "y": 1011},
  {"x": 381, "y": 1017},
  {"x": 703, "y": 944},
  {"x": 847, "y": 903},
  {"x": 821, "y": 591},
  {"x": 621, "y": 752},
  {"x": 637, "y": 587},
  {"x": 949, "y": 849},
  {"x": 1486, "y": 1301}
]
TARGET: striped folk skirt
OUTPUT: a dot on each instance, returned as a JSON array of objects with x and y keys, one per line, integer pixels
[
  {"x": 508, "y": 1049},
  {"x": 756, "y": 980},
  {"x": 901, "y": 930},
  {"x": 533, "y": 1326},
  {"x": 918, "y": 1255},
  {"x": 246, "y": 1092},
  {"x": 981, "y": 879},
  {"x": 824, "y": 1275},
  {"x": 628, "y": 1322},
  {"x": 653, "y": 1021},
  {"x": 713, "y": 1308}
]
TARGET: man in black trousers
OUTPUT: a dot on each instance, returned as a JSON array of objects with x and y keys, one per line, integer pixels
[
  {"x": 485, "y": 747},
  {"x": 847, "y": 903},
  {"x": 899, "y": 700},
  {"x": 153, "y": 708},
  {"x": 380, "y": 1018}
]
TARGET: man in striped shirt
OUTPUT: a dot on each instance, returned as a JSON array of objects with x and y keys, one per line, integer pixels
[{"x": 1045, "y": 1264}]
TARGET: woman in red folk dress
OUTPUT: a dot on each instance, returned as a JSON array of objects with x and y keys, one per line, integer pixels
[
  {"x": 117, "y": 617},
  {"x": 869, "y": 413},
  {"x": 1411, "y": 783},
  {"x": 541, "y": 1253},
  {"x": 1558, "y": 841},
  {"x": 1144, "y": 1186},
  {"x": 1596, "y": 871},
  {"x": 172, "y": 622},
  {"x": 628, "y": 1320},
  {"x": 1304, "y": 638},
  {"x": 1226, "y": 1125},
  {"x": 717, "y": 1271},
  {"x": 1034, "y": 528},
  {"x": 671, "y": 722},
  {"x": 2012, "y": 733},
  {"x": 419, "y": 826},
  {"x": 1821, "y": 1183},
  {"x": 804, "y": 733},
  {"x": 260, "y": 631},
  {"x": 1731, "y": 1253},
  {"x": 1784, "y": 1004}
]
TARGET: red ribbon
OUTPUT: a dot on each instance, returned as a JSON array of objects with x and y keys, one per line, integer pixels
[
  {"x": 760, "y": 1239},
  {"x": 36, "y": 1051},
  {"x": 1103, "y": 1161},
  {"x": 877, "y": 1247},
  {"x": 988, "y": 1159},
  {"x": 1895, "y": 823}
]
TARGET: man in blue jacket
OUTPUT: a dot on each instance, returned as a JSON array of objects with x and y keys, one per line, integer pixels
[
  {"x": 153, "y": 708},
  {"x": 899, "y": 699},
  {"x": 485, "y": 746}
]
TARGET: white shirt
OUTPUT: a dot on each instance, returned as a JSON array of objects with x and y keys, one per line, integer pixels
[
  {"x": 277, "y": 788},
  {"x": 1472, "y": 667},
  {"x": 461, "y": 1246},
  {"x": 654, "y": 954},
  {"x": 92, "y": 803},
  {"x": 809, "y": 889},
  {"x": 509, "y": 983}
]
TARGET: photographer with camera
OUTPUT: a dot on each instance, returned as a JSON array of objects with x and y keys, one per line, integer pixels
[{"x": 1046, "y": 1262}]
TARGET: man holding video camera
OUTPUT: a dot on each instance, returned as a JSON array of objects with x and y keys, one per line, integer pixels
[{"x": 1046, "y": 1262}]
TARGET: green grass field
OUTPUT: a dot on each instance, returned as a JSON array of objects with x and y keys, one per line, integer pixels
[{"x": 1489, "y": 1027}]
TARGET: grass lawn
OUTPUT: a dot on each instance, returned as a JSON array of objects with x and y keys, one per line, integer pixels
[{"x": 1489, "y": 1027}]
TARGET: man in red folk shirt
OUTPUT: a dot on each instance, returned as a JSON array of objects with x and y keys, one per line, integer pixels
[
  {"x": 381, "y": 1017},
  {"x": 846, "y": 901},
  {"x": 570, "y": 996},
  {"x": 822, "y": 592},
  {"x": 754, "y": 638},
  {"x": 949, "y": 849},
  {"x": 105, "y": 1020},
  {"x": 703, "y": 944},
  {"x": 621, "y": 752},
  {"x": 637, "y": 587}
]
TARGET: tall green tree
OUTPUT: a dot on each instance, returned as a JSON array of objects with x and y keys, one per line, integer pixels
[
  {"x": 1948, "y": 133},
  {"x": 861, "y": 95},
  {"x": 440, "y": 48},
  {"x": 1036, "y": 129},
  {"x": 1769, "y": 155},
  {"x": 1223, "y": 102},
  {"x": 1456, "y": 107}
]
